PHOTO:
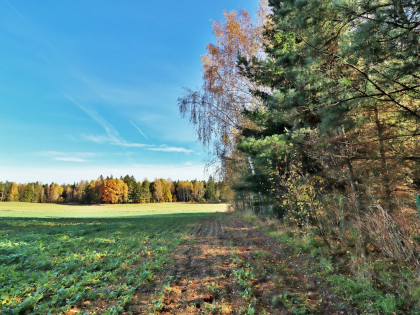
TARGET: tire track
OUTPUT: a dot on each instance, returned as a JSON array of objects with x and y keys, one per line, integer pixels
[
  {"x": 203, "y": 277},
  {"x": 198, "y": 272}
]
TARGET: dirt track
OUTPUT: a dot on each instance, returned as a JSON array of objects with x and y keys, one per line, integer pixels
[{"x": 227, "y": 266}]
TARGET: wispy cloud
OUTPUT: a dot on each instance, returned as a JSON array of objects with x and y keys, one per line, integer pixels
[
  {"x": 60, "y": 154},
  {"x": 96, "y": 138},
  {"x": 70, "y": 159},
  {"x": 111, "y": 137},
  {"x": 110, "y": 94},
  {"x": 109, "y": 129},
  {"x": 78, "y": 157},
  {"x": 37, "y": 32},
  {"x": 112, "y": 141},
  {"x": 131, "y": 144},
  {"x": 139, "y": 130},
  {"x": 171, "y": 149},
  {"x": 123, "y": 143}
]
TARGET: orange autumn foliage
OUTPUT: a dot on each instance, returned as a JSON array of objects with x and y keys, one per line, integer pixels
[{"x": 113, "y": 191}]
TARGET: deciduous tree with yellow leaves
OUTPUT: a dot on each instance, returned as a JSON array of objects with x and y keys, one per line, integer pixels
[{"x": 113, "y": 191}]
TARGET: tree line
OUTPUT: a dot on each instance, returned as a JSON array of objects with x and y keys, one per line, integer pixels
[{"x": 123, "y": 190}]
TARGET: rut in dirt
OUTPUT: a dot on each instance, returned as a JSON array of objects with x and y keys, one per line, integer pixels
[{"x": 227, "y": 266}]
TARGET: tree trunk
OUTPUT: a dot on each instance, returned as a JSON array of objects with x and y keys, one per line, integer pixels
[
  {"x": 384, "y": 166},
  {"x": 350, "y": 172}
]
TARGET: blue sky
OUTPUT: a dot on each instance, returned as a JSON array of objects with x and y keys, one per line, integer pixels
[{"x": 91, "y": 87}]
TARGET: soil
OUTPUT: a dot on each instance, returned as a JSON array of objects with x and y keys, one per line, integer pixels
[{"x": 228, "y": 266}]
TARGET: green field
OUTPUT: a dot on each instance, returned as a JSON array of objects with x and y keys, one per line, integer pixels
[
  {"x": 53, "y": 257},
  {"x": 178, "y": 259},
  {"x": 51, "y": 210}
]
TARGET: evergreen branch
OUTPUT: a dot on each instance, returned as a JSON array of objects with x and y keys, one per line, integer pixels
[
  {"x": 364, "y": 74},
  {"x": 364, "y": 95}
]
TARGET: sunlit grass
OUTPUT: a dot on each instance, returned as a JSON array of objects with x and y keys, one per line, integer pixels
[{"x": 50, "y": 210}]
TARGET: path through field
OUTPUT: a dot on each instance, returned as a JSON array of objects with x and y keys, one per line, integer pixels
[{"x": 227, "y": 266}]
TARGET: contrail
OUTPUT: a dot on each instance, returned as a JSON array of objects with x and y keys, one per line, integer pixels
[
  {"x": 138, "y": 129},
  {"x": 37, "y": 32},
  {"x": 111, "y": 132}
]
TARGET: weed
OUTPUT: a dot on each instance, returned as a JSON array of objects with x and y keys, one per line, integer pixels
[{"x": 212, "y": 287}]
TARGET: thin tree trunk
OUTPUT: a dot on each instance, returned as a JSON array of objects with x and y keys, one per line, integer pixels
[
  {"x": 351, "y": 177},
  {"x": 251, "y": 165},
  {"x": 384, "y": 166}
]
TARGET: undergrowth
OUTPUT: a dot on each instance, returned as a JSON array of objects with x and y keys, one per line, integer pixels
[{"x": 369, "y": 281}]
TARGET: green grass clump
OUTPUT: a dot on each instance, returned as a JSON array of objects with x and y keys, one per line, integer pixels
[{"x": 361, "y": 293}]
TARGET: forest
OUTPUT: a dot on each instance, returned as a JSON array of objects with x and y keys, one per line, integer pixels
[{"x": 112, "y": 190}]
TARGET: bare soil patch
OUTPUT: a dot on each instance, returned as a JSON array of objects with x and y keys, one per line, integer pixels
[{"x": 227, "y": 266}]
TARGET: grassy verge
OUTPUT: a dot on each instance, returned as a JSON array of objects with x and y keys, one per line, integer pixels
[{"x": 371, "y": 283}]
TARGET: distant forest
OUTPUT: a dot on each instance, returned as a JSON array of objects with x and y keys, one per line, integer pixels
[{"x": 111, "y": 190}]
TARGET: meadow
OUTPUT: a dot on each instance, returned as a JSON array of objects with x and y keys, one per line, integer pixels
[
  {"x": 57, "y": 258},
  {"x": 54, "y": 210}
]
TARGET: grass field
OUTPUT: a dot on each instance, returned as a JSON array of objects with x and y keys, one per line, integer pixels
[
  {"x": 86, "y": 256},
  {"x": 52, "y": 210},
  {"x": 181, "y": 259}
]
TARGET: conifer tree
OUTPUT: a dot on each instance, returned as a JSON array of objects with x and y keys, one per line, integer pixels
[{"x": 342, "y": 104}]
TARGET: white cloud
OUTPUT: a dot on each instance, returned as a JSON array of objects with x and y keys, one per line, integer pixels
[
  {"x": 96, "y": 139},
  {"x": 130, "y": 144},
  {"x": 112, "y": 141},
  {"x": 112, "y": 136},
  {"x": 78, "y": 157},
  {"x": 123, "y": 143},
  {"x": 69, "y": 159},
  {"x": 60, "y": 154},
  {"x": 171, "y": 149}
]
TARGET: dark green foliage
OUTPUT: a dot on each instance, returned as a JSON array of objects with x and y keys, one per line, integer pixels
[
  {"x": 145, "y": 193},
  {"x": 210, "y": 192},
  {"x": 344, "y": 102},
  {"x": 2, "y": 191},
  {"x": 90, "y": 194},
  {"x": 131, "y": 183},
  {"x": 135, "y": 194},
  {"x": 30, "y": 192}
]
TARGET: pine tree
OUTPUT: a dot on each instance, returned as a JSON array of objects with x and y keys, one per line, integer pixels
[
  {"x": 210, "y": 192},
  {"x": 145, "y": 192},
  {"x": 338, "y": 108}
]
